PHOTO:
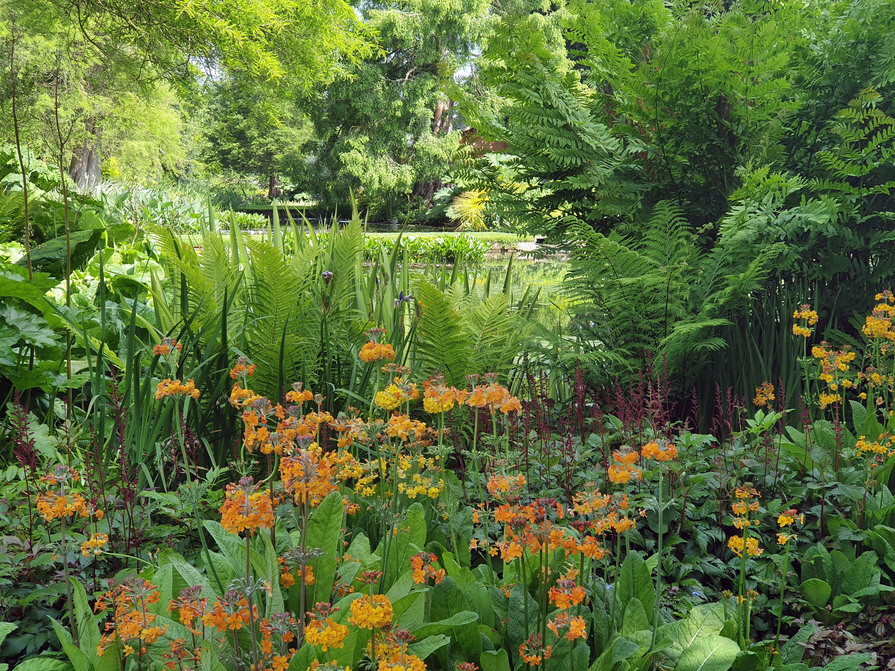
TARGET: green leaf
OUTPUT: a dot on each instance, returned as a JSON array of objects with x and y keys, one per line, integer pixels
[
  {"x": 635, "y": 582},
  {"x": 6, "y": 628},
  {"x": 843, "y": 663},
  {"x": 427, "y": 646},
  {"x": 409, "y": 610},
  {"x": 271, "y": 573},
  {"x": 324, "y": 531},
  {"x": 708, "y": 653},
  {"x": 442, "y": 626},
  {"x": 32, "y": 329},
  {"x": 75, "y": 655},
  {"x": 88, "y": 629},
  {"x": 703, "y": 619},
  {"x": 792, "y": 651},
  {"x": 635, "y": 618},
  {"x": 191, "y": 575},
  {"x": 618, "y": 650},
  {"x": 816, "y": 592},
  {"x": 495, "y": 660},
  {"x": 44, "y": 664}
]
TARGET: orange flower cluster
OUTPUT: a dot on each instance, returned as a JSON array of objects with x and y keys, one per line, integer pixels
[
  {"x": 652, "y": 451},
  {"x": 877, "y": 450},
  {"x": 308, "y": 475},
  {"x": 533, "y": 651},
  {"x": 287, "y": 579},
  {"x": 622, "y": 469},
  {"x": 281, "y": 626},
  {"x": 573, "y": 627},
  {"x": 423, "y": 565},
  {"x": 371, "y": 612},
  {"x": 298, "y": 395},
  {"x": 834, "y": 366},
  {"x": 745, "y": 502},
  {"x": 786, "y": 520},
  {"x": 763, "y": 394},
  {"x": 566, "y": 593},
  {"x": 242, "y": 369},
  {"x": 53, "y": 505},
  {"x": 401, "y": 426},
  {"x": 245, "y": 508},
  {"x": 190, "y": 607},
  {"x": 94, "y": 545},
  {"x": 878, "y": 325},
  {"x": 169, "y": 387},
  {"x": 132, "y": 623},
  {"x": 373, "y": 350},
  {"x": 494, "y": 396},
  {"x": 498, "y": 485},
  {"x": 397, "y": 394},
  {"x": 439, "y": 398},
  {"x": 809, "y": 316},
  {"x": 230, "y": 612},
  {"x": 180, "y": 657},
  {"x": 167, "y": 346},
  {"x": 750, "y": 546}
]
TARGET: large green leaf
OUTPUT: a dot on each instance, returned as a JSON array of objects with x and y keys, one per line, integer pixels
[
  {"x": 324, "y": 531},
  {"x": 816, "y": 592},
  {"x": 635, "y": 582},
  {"x": 44, "y": 664},
  {"x": 75, "y": 655},
  {"x": 708, "y": 652}
]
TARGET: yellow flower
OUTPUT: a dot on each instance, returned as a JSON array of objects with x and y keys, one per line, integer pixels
[
  {"x": 737, "y": 546},
  {"x": 371, "y": 612},
  {"x": 326, "y": 634}
]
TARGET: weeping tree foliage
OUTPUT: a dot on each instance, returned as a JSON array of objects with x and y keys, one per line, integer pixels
[{"x": 711, "y": 165}]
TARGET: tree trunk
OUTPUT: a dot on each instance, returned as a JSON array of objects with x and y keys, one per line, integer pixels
[
  {"x": 443, "y": 121},
  {"x": 273, "y": 187},
  {"x": 86, "y": 163}
]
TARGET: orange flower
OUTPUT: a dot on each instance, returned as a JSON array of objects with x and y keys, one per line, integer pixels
[
  {"x": 591, "y": 548},
  {"x": 566, "y": 593},
  {"x": 374, "y": 350},
  {"x": 424, "y": 568},
  {"x": 242, "y": 369},
  {"x": 189, "y": 607},
  {"x": 169, "y": 387},
  {"x": 654, "y": 451},
  {"x": 576, "y": 626},
  {"x": 308, "y": 475},
  {"x": 299, "y": 395},
  {"x": 763, "y": 393},
  {"x": 245, "y": 509},
  {"x": 132, "y": 623},
  {"x": 751, "y": 548},
  {"x": 622, "y": 469},
  {"x": 499, "y": 484},
  {"x": 166, "y": 346},
  {"x": 533, "y": 651},
  {"x": 94, "y": 545}
]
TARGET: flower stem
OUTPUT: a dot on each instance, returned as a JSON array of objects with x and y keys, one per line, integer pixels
[{"x": 658, "y": 567}]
